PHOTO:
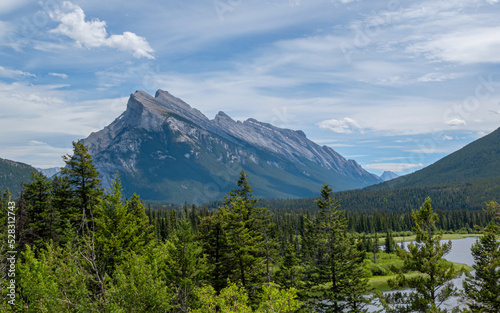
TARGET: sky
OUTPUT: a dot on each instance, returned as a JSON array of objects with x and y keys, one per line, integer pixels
[{"x": 395, "y": 85}]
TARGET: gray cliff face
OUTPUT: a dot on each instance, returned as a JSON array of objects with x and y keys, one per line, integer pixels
[
  {"x": 293, "y": 145},
  {"x": 165, "y": 150}
]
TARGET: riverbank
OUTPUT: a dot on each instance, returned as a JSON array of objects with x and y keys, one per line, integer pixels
[
  {"x": 381, "y": 283},
  {"x": 445, "y": 237}
]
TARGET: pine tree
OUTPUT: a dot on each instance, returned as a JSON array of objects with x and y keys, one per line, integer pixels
[
  {"x": 244, "y": 245},
  {"x": 337, "y": 279},
  {"x": 64, "y": 203},
  {"x": 482, "y": 287},
  {"x": 290, "y": 273},
  {"x": 375, "y": 247},
  {"x": 425, "y": 256},
  {"x": 215, "y": 247},
  {"x": 84, "y": 180},
  {"x": 44, "y": 220},
  {"x": 142, "y": 233},
  {"x": 389, "y": 246},
  {"x": 185, "y": 266},
  {"x": 244, "y": 226},
  {"x": 122, "y": 228}
]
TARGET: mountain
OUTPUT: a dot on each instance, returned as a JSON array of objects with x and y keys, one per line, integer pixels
[
  {"x": 49, "y": 172},
  {"x": 13, "y": 175},
  {"x": 388, "y": 175},
  {"x": 163, "y": 149},
  {"x": 477, "y": 160},
  {"x": 463, "y": 180}
]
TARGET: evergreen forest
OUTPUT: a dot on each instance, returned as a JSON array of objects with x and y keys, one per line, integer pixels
[{"x": 70, "y": 246}]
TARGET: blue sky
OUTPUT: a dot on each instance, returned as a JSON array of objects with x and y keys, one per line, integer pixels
[{"x": 394, "y": 85}]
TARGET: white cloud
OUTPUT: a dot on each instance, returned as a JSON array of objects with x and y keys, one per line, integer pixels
[
  {"x": 8, "y": 73},
  {"x": 473, "y": 45},
  {"x": 60, "y": 75},
  {"x": 93, "y": 34},
  {"x": 438, "y": 77},
  {"x": 344, "y": 126},
  {"x": 455, "y": 122}
]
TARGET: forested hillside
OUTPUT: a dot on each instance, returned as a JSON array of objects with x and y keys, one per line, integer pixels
[
  {"x": 467, "y": 195},
  {"x": 13, "y": 175},
  {"x": 479, "y": 159},
  {"x": 79, "y": 248}
]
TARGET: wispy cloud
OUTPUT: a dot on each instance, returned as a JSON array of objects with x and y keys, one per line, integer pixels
[
  {"x": 48, "y": 116},
  {"x": 93, "y": 34},
  {"x": 59, "y": 75},
  {"x": 438, "y": 77},
  {"x": 475, "y": 45},
  {"x": 456, "y": 122},
  {"x": 8, "y": 73},
  {"x": 345, "y": 125}
]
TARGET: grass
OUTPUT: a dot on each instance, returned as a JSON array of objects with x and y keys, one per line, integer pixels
[
  {"x": 445, "y": 237},
  {"x": 381, "y": 283}
]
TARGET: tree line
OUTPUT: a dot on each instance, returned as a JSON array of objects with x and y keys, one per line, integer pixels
[{"x": 85, "y": 249}]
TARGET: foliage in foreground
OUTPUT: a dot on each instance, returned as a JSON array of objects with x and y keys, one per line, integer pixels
[
  {"x": 424, "y": 256},
  {"x": 482, "y": 287}
]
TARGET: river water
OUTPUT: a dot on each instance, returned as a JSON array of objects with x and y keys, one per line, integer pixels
[{"x": 460, "y": 253}]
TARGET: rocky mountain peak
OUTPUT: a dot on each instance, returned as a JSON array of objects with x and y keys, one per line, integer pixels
[
  {"x": 222, "y": 116},
  {"x": 174, "y": 104},
  {"x": 163, "y": 140}
]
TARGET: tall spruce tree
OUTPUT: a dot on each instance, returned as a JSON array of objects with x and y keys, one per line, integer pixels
[
  {"x": 424, "y": 256},
  {"x": 482, "y": 287},
  {"x": 44, "y": 220},
  {"x": 290, "y": 273},
  {"x": 85, "y": 184},
  {"x": 122, "y": 228},
  {"x": 214, "y": 243},
  {"x": 389, "y": 246},
  {"x": 64, "y": 203},
  {"x": 186, "y": 266},
  {"x": 337, "y": 282},
  {"x": 84, "y": 180},
  {"x": 243, "y": 224}
]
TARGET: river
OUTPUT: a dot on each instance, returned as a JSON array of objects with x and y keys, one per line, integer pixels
[{"x": 460, "y": 253}]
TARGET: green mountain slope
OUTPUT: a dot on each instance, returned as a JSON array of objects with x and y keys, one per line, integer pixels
[
  {"x": 13, "y": 175},
  {"x": 479, "y": 159},
  {"x": 465, "y": 179}
]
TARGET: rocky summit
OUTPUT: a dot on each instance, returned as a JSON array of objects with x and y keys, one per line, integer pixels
[{"x": 163, "y": 149}]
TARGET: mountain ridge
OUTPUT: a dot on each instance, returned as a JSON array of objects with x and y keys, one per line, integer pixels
[{"x": 163, "y": 140}]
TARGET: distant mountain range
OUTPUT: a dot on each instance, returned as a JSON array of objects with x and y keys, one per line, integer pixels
[
  {"x": 163, "y": 149},
  {"x": 388, "y": 175},
  {"x": 49, "y": 172}
]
